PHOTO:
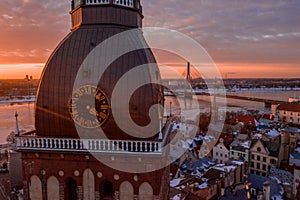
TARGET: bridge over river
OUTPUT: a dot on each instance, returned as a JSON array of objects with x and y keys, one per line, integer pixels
[{"x": 268, "y": 102}]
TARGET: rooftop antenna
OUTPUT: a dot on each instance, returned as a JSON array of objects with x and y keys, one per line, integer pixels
[{"x": 17, "y": 132}]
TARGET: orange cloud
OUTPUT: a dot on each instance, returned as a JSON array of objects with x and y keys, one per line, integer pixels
[{"x": 238, "y": 39}]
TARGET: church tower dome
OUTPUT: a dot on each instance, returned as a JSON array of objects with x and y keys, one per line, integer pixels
[
  {"x": 94, "y": 21},
  {"x": 57, "y": 162}
]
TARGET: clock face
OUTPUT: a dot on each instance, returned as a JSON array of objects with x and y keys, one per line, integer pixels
[{"x": 89, "y": 107}]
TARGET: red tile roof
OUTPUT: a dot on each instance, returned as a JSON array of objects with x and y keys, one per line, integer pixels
[
  {"x": 289, "y": 107},
  {"x": 247, "y": 120},
  {"x": 268, "y": 117}
]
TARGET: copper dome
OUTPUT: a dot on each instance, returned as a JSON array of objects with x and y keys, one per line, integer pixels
[{"x": 95, "y": 24}]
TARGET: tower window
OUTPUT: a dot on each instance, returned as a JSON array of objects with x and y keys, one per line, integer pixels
[
  {"x": 72, "y": 189},
  {"x": 107, "y": 189}
]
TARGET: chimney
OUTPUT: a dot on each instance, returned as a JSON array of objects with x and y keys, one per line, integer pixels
[
  {"x": 247, "y": 190},
  {"x": 223, "y": 184},
  {"x": 266, "y": 190}
]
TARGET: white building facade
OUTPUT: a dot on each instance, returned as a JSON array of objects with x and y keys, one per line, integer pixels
[
  {"x": 287, "y": 113},
  {"x": 221, "y": 153},
  {"x": 240, "y": 148}
]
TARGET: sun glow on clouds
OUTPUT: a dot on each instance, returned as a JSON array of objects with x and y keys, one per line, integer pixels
[{"x": 253, "y": 38}]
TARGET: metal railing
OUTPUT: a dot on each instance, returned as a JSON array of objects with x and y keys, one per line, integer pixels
[
  {"x": 97, "y": 2},
  {"x": 126, "y": 3},
  {"x": 91, "y": 145}
]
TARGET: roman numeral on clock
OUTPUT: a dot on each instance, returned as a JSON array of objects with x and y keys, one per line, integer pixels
[{"x": 102, "y": 115}]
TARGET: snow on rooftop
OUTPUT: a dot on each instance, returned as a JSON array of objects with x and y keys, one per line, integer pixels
[
  {"x": 203, "y": 186},
  {"x": 196, "y": 173},
  {"x": 222, "y": 167},
  {"x": 276, "y": 179},
  {"x": 189, "y": 141},
  {"x": 241, "y": 123},
  {"x": 211, "y": 163},
  {"x": 182, "y": 187},
  {"x": 236, "y": 162},
  {"x": 175, "y": 127},
  {"x": 176, "y": 197},
  {"x": 273, "y": 134},
  {"x": 198, "y": 138},
  {"x": 257, "y": 136},
  {"x": 246, "y": 144},
  {"x": 204, "y": 179},
  {"x": 175, "y": 182},
  {"x": 277, "y": 197},
  {"x": 209, "y": 138}
]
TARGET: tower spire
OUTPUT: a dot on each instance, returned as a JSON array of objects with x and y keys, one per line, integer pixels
[
  {"x": 17, "y": 132},
  {"x": 188, "y": 74}
]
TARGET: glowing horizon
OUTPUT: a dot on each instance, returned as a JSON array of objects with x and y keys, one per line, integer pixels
[
  {"x": 230, "y": 71},
  {"x": 19, "y": 71},
  {"x": 260, "y": 44}
]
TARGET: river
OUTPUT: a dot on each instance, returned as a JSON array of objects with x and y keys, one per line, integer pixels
[
  {"x": 26, "y": 110},
  {"x": 8, "y": 122}
]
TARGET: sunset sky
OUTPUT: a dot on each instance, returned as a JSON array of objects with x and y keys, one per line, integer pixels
[{"x": 252, "y": 38}]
